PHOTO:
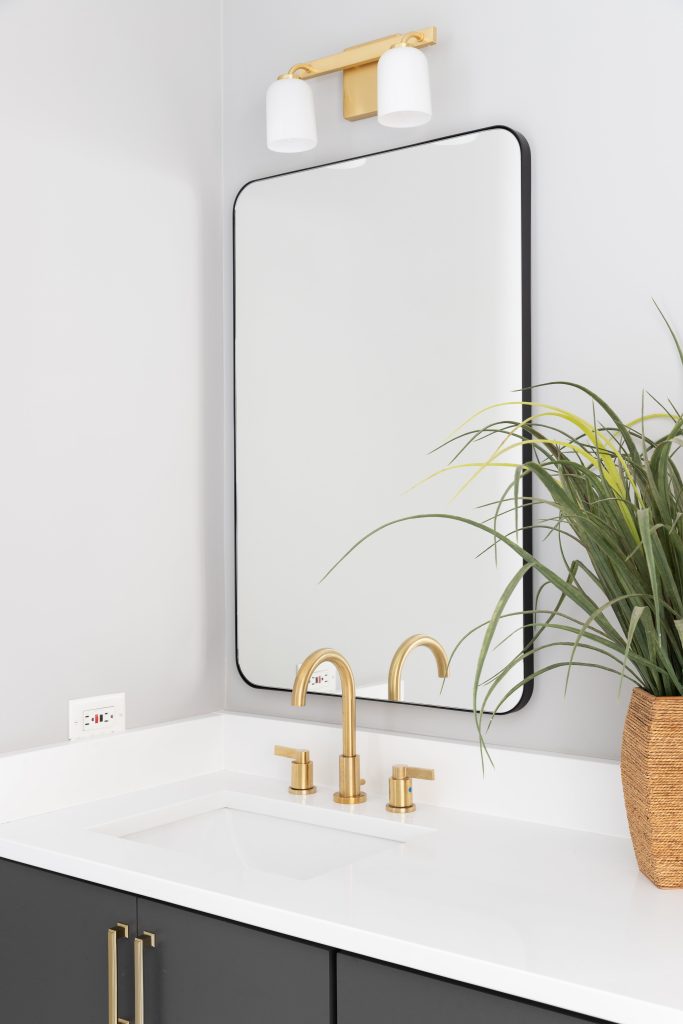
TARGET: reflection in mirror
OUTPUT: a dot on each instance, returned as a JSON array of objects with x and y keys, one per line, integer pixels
[{"x": 379, "y": 303}]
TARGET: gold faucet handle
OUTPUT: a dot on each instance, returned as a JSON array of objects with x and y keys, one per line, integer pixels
[
  {"x": 406, "y": 771},
  {"x": 401, "y": 786},
  {"x": 302, "y": 769},
  {"x": 299, "y": 756}
]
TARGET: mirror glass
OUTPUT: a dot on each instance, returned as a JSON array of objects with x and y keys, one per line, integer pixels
[{"x": 379, "y": 303}]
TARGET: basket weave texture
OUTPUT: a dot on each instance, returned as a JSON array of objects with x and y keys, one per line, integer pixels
[{"x": 652, "y": 777}]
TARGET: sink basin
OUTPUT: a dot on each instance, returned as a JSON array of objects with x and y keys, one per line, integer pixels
[
  {"x": 292, "y": 840},
  {"x": 263, "y": 843}
]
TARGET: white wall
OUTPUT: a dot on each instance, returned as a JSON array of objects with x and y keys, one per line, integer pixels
[
  {"x": 596, "y": 87},
  {"x": 111, "y": 390},
  {"x": 111, "y": 531}
]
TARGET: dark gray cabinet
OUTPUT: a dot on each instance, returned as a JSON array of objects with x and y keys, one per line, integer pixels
[
  {"x": 53, "y": 948},
  {"x": 54, "y": 960},
  {"x": 206, "y": 970},
  {"x": 369, "y": 992}
]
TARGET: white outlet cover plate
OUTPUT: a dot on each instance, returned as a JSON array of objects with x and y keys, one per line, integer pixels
[
  {"x": 325, "y": 679},
  {"x": 101, "y": 715}
]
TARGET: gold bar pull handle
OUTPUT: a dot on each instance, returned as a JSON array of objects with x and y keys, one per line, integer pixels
[
  {"x": 301, "y": 782},
  {"x": 119, "y": 931},
  {"x": 148, "y": 939}
]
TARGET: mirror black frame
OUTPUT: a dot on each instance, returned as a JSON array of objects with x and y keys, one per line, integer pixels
[{"x": 527, "y": 583}]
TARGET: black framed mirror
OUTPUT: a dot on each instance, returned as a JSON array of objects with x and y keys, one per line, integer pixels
[{"x": 379, "y": 302}]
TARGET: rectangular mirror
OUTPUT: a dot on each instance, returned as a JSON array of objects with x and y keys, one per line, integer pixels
[{"x": 379, "y": 303}]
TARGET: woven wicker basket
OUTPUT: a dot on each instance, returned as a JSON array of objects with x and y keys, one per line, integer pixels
[{"x": 652, "y": 776}]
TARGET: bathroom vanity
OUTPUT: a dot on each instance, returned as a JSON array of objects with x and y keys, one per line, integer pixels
[
  {"x": 172, "y": 865},
  {"x": 53, "y": 941},
  {"x": 205, "y": 969}
]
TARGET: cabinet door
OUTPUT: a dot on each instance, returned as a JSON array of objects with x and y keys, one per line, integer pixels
[
  {"x": 206, "y": 970},
  {"x": 54, "y": 947},
  {"x": 368, "y": 992}
]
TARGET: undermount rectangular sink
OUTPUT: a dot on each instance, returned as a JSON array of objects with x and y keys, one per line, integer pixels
[{"x": 275, "y": 837}]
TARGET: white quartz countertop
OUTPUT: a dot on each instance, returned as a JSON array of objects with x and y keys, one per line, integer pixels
[{"x": 554, "y": 914}]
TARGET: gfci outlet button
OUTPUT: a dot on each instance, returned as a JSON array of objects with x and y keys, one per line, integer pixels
[{"x": 97, "y": 716}]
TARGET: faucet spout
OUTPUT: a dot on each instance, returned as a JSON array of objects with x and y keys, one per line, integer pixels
[
  {"x": 398, "y": 660},
  {"x": 349, "y": 761}
]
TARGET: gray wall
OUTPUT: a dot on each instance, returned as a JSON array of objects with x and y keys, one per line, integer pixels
[
  {"x": 595, "y": 86},
  {"x": 111, "y": 397}
]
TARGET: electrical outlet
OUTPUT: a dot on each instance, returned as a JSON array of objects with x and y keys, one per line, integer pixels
[
  {"x": 97, "y": 716},
  {"x": 325, "y": 679}
]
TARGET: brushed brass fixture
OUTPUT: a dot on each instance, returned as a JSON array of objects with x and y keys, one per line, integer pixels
[
  {"x": 358, "y": 65},
  {"x": 149, "y": 940},
  {"x": 302, "y": 770},
  {"x": 401, "y": 787},
  {"x": 398, "y": 660},
  {"x": 350, "y": 781},
  {"x": 119, "y": 931}
]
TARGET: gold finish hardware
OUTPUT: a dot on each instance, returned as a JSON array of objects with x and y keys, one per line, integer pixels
[
  {"x": 148, "y": 939},
  {"x": 302, "y": 770},
  {"x": 359, "y": 92},
  {"x": 358, "y": 65},
  {"x": 411, "y": 39},
  {"x": 119, "y": 931},
  {"x": 398, "y": 660},
  {"x": 349, "y": 762},
  {"x": 401, "y": 786}
]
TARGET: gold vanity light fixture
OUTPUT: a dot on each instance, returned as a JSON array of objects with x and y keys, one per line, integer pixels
[
  {"x": 398, "y": 660},
  {"x": 387, "y": 77}
]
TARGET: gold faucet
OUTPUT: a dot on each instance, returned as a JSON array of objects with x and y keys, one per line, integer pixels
[
  {"x": 349, "y": 761},
  {"x": 397, "y": 662}
]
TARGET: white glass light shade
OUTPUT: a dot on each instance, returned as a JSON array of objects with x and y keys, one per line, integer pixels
[
  {"x": 290, "y": 116},
  {"x": 403, "y": 94}
]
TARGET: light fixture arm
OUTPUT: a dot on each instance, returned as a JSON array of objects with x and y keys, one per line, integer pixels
[{"x": 358, "y": 65}]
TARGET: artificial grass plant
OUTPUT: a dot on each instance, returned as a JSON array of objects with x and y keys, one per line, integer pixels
[{"x": 609, "y": 493}]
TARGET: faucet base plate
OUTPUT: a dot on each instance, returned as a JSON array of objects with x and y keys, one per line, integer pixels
[{"x": 360, "y": 799}]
